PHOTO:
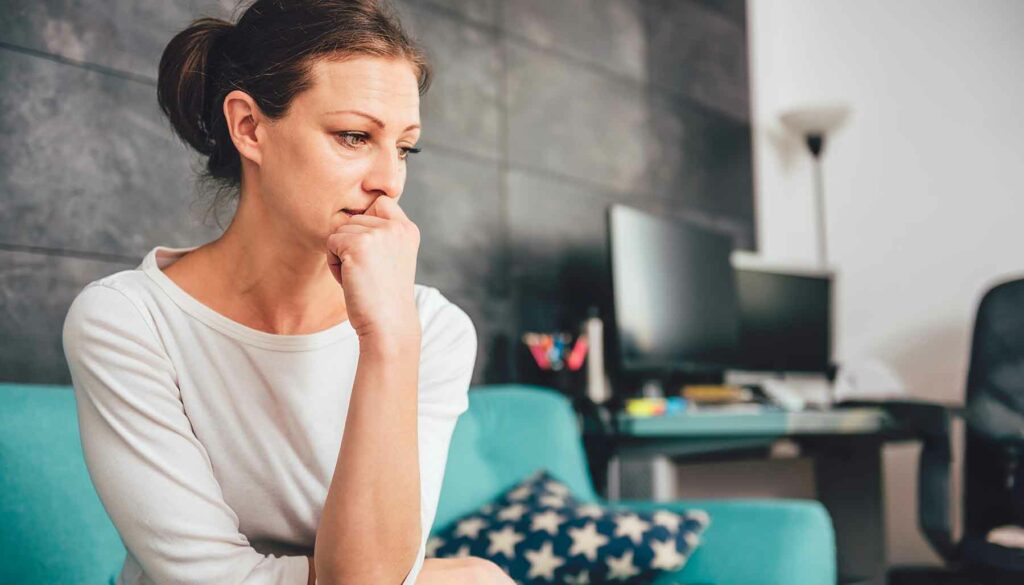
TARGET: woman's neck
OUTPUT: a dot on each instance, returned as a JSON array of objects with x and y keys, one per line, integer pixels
[{"x": 277, "y": 283}]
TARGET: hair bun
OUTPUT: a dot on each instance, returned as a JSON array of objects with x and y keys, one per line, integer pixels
[{"x": 186, "y": 82}]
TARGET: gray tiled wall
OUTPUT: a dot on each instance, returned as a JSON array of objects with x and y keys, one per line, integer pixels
[{"x": 542, "y": 113}]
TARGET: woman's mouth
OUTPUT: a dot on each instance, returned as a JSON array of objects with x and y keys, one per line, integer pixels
[{"x": 351, "y": 212}]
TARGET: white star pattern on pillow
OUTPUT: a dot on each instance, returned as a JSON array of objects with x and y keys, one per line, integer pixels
[
  {"x": 590, "y": 511},
  {"x": 504, "y": 541},
  {"x": 548, "y": 521},
  {"x": 632, "y": 526},
  {"x": 586, "y": 541},
  {"x": 556, "y": 488},
  {"x": 543, "y": 562},
  {"x": 470, "y": 527},
  {"x": 520, "y": 493},
  {"x": 582, "y": 578},
  {"x": 667, "y": 519},
  {"x": 513, "y": 512},
  {"x": 622, "y": 568},
  {"x": 666, "y": 556},
  {"x": 552, "y": 501},
  {"x": 433, "y": 543}
]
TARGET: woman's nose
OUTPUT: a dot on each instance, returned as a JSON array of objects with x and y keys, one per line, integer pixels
[{"x": 386, "y": 175}]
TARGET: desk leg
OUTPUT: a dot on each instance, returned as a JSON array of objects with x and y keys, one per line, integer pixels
[
  {"x": 848, "y": 478},
  {"x": 642, "y": 477},
  {"x": 613, "y": 483}
]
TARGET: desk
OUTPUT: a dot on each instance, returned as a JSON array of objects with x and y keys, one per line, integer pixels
[{"x": 844, "y": 444}]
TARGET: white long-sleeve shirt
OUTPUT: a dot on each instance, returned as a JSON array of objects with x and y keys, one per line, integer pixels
[{"x": 212, "y": 445}]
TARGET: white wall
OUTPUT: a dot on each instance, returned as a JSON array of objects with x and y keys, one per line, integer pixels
[{"x": 924, "y": 184}]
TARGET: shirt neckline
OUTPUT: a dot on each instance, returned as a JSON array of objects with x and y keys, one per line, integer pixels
[{"x": 162, "y": 256}]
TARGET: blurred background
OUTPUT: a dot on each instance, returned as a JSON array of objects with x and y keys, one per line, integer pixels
[{"x": 541, "y": 115}]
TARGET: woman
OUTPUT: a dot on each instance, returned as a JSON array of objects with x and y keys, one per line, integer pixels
[{"x": 275, "y": 406}]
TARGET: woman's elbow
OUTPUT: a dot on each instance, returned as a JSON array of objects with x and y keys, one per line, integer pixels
[{"x": 391, "y": 566}]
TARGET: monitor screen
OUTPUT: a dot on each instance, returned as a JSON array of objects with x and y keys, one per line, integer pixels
[
  {"x": 785, "y": 320},
  {"x": 674, "y": 294}
]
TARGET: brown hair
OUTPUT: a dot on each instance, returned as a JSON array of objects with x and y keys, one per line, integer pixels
[{"x": 268, "y": 54}]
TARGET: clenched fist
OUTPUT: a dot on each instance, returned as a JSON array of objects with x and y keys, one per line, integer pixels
[{"x": 373, "y": 257}]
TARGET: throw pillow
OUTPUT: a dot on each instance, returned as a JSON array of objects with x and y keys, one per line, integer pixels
[{"x": 539, "y": 533}]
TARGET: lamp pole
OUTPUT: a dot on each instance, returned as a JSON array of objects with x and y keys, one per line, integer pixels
[{"x": 816, "y": 143}]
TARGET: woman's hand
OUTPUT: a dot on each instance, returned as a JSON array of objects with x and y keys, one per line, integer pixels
[
  {"x": 373, "y": 257},
  {"x": 462, "y": 571}
]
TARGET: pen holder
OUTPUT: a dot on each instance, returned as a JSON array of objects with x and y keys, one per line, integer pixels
[{"x": 555, "y": 360}]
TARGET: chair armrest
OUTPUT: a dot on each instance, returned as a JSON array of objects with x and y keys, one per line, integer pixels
[{"x": 765, "y": 541}]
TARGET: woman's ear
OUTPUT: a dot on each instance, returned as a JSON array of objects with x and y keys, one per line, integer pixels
[{"x": 244, "y": 118}]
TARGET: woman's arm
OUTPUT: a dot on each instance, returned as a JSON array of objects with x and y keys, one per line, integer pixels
[
  {"x": 150, "y": 471},
  {"x": 370, "y": 530}
]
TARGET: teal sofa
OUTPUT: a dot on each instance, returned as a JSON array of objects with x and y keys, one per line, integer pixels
[{"x": 54, "y": 528}]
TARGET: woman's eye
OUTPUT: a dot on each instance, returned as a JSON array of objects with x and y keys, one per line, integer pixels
[
  {"x": 353, "y": 138},
  {"x": 407, "y": 150}
]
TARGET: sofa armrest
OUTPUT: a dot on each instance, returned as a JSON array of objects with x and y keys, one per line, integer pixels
[{"x": 765, "y": 541}]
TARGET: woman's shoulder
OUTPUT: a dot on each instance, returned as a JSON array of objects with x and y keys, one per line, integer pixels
[
  {"x": 440, "y": 316},
  {"x": 448, "y": 352}
]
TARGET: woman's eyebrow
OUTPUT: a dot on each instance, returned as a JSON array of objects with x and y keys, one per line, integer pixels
[{"x": 377, "y": 121}]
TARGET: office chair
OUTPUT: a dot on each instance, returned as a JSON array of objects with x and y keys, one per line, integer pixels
[{"x": 993, "y": 462}]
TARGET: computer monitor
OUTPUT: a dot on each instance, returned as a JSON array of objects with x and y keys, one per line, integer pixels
[
  {"x": 673, "y": 297},
  {"x": 785, "y": 320}
]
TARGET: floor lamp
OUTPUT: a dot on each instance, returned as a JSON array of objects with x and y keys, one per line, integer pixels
[{"x": 813, "y": 124}]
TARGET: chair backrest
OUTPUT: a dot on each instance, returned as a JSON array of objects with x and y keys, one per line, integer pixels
[
  {"x": 995, "y": 405},
  {"x": 508, "y": 432},
  {"x": 53, "y": 528}
]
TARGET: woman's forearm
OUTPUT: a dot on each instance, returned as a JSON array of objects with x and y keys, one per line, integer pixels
[{"x": 369, "y": 530}]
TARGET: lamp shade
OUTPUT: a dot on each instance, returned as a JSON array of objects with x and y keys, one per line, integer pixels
[{"x": 818, "y": 120}]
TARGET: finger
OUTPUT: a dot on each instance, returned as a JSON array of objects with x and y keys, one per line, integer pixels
[
  {"x": 366, "y": 220},
  {"x": 334, "y": 264},
  {"x": 354, "y": 229},
  {"x": 339, "y": 242},
  {"x": 385, "y": 207}
]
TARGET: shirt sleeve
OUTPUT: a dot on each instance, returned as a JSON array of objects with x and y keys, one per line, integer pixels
[
  {"x": 152, "y": 474},
  {"x": 447, "y": 358}
]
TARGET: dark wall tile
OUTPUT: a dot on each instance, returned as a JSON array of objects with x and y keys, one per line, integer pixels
[
  {"x": 481, "y": 11},
  {"x": 699, "y": 53},
  {"x": 570, "y": 120},
  {"x": 126, "y": 35},
  {"x": 35, "y": 293},
  {"x": 455, "y": 202},
  {"x": 89, "y": 162},
  {"x": 699, "y": 158},
  {"x": 734, "y": 9},
  {"x": 495, "y": 331},
  {"x": 462, "y": 109},
  {"x": 607, "y": 33}
]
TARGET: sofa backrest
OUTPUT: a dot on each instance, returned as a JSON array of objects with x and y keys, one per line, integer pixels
[
  {"x": 53, "y": 528},
  {"x": 509, "y": 431}
]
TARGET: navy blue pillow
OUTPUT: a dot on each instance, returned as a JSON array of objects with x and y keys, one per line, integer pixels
[{"x": 539, "y": 533}]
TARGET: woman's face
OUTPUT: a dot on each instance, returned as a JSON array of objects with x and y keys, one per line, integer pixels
[{"x": 341, "y": 144}]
